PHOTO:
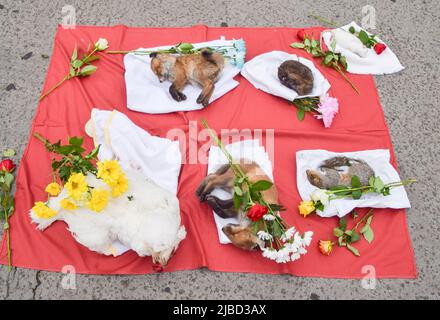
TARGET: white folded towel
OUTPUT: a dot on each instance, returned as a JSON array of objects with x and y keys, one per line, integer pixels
[
  {"x": 146, "y": 94},
  {"x": 262, "y": 72},
  {"x": 378, "y": 160},
  {"x": 134, "y": 148},
  {"x": 359, "y": 61},
  {"x": 247, "y": 149}
]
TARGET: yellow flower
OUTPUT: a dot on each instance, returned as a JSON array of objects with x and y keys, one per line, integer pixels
[
  {"x": 109, "y": 171},
  {"x": 76, "y": 186},
  {"x": 306, "y": 208},
  {"x": 68, "y": 204},
  {"x": 120, "y": 186},
  {"x": 53, "y": 189},
  {"x": 98, "y": 200},
  {"x": 42, "y": 211}
]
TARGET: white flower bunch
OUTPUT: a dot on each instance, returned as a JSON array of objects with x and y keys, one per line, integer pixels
[{"x": 292, "y": 249}]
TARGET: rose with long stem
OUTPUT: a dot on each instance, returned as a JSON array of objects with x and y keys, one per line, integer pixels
[{"x": 76, "y": 70}]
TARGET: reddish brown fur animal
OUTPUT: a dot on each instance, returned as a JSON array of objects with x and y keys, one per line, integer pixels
[
  {"x": 239, "y": 234},
  {"x": 202, "y": 69}
]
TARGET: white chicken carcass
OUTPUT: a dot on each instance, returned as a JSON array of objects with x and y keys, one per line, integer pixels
[{"x": 145, "y": 219}]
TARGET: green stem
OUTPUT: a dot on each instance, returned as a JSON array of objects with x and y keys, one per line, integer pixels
[
  {"x": 8, "y": 237},
  {"x": 363, "y": 219},
  {"x": 338, "y": 69},
  {"x": 319, "y": 18},
  {"x": 55, "y": 86}
]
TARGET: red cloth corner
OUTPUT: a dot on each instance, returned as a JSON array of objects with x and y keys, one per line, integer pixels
[{"x": 360, "y": 125}]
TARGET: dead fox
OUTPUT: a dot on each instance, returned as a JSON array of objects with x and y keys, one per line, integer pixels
[
  {"x": 239, "y": 234},
  {"x": 203, "y": 69},
  {"x": 331, "y": 173}
]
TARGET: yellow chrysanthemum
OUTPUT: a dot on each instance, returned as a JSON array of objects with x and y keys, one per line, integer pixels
[
  {"x": 76, "y": 186},
  {"x": 42, "y": 211},
  {"x": 98, "y": 200},
  {"x": 68, "y": 204},
  {"x": 53, "y": 189},
  {"x": 109, "y": 171},
  {"x": 120, "y": 186},
  {"x": 306, "y": 208}
]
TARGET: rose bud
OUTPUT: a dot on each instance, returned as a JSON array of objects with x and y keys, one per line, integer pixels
[
  {"x": 7, "y": 165},
  {"x": 379, "y": 47},
  {"x": 256, "y": 212},
  {"x": 325, "y": 246},
  {"x": 101, "y": 44},
  {"x": 306, "y": 207},
  {"x": 301, "y": 34}
]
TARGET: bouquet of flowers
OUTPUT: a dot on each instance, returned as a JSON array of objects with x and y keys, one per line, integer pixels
[
  {"x": 283, "y": 243},
  {"x": 71, "y": 168},
  {"x": 234, "y": 53},
  {"x": 321, "y": 198},
  {"x": 324, "y": 108}
]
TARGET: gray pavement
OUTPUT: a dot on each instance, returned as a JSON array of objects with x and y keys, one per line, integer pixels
[{"x": 409, "y": 100}]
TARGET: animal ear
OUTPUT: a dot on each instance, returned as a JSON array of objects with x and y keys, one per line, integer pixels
[{"x": 153, "y": 55}]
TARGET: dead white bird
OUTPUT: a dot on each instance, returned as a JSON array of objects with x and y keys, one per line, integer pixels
[{"x": 145, "y": 219}]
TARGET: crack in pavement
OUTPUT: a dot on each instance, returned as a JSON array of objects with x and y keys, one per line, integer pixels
[{"x": 34, "y": 289}]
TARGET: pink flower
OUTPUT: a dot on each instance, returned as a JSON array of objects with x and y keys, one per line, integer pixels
[{"x": 328, "y": 107}]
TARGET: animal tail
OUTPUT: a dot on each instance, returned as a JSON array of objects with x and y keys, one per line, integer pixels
[
  {"x": 339, "y": 162},
  {"x": 208, "y": 56}
]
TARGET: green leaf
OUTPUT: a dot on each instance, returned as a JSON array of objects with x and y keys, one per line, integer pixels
[
  {"x": 352, "y": 30},
  {"x": 87, "y": 70},
  {"x": 344, "y": 64},
  {"x": 369, "y": 220},
  {"x": 77, "y": 64},
  {"x": 371, "y": 181},
  {"x": 237, "y": 201},
  {"x": 76, "y": 141},
  {"x": 307, "y": 42},
  {"x": 74, "y": 55},
  {"x": 369, "y": 235},
  {"x": 8, "y": 179},
  {"x": 5, "y": 226},
  {"x": 297, "y": 45},
  {"x": 8, "y": 153},
  {"x": 364, "y": 229},
  {"x": 341, "y": 242},
  {"x": 315, "y": 43},
  {"x": 238, "y": 191},
  {"x": 357, "y": 194},
  {"x": 355, "y": 236},
  {"x": 262, "y": 185},
  {"x": 333, "y": 45},
  {"x": 342, "y": 224},
  {"x": 91, "y": 59},
  {"x": 353, "y": 250},
  {"x": 185, "y": 46},
  {"x": 365, "y": 39},
  {"x": 300, "y": 114},
  {"x": 72, "y": 71},
  {"x": 355, "y": 182},
  {"x": 337, "y": 232},
  {"x": 378, "y": 185},
  {"x": 94, "y": 153},
  {"x": 327, "y": 59}
]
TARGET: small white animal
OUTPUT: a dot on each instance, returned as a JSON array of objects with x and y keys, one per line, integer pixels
[
  {"x": 350, "y": 42},
  {"x": 145, "y": 219}
]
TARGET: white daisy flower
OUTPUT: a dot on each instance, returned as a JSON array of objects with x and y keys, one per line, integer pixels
[
  {"x": 307, "y": 238},
  {"x": 263, "y": 235},
  {"x": 288, "y": 234},
  {"x": 269, "y": 217}
]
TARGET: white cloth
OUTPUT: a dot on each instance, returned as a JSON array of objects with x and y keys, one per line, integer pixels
[
  {"x": 372, "y": 63},
  {"x": 262, "y": 72},
  {"x": 158, "y": 158},
  {"x": 378, "y": 160},
  {"x": 247, "y": 149},
  {"x": 146, "y": 94}
]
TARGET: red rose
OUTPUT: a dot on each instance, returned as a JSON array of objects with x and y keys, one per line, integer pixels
[
  {"x": 379, "y": 47},
  {"x": 7, "y": 165},
  {"x": 301, "y": 34},
  {"x": 157, "y": 267},
  {"x": 256, "y": 212}
]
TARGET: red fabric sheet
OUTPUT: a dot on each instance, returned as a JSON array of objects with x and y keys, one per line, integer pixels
[{"x": 359, "y": 125}]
